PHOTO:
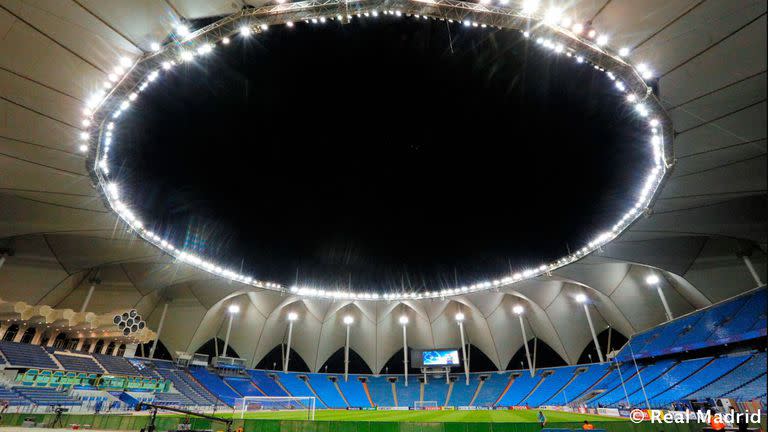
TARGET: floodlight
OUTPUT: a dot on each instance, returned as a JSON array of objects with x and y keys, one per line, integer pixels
[
  {"x": 348, "y": 320},
  {"x": 234, "y": 309},
  {"x": 652, "y": 279},
  {"x": 518, "y": 309},
  {"x": 403, "y": 320},
  {"x": 293, "y": 316},
  {"x": 581, "y": 298},
  {"x": 459, "y": 317}
]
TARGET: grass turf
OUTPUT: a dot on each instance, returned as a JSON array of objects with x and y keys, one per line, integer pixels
[{"x": 507, "y": 416}]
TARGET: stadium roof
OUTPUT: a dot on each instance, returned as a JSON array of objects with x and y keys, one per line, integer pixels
[{"x": 711, "y": 60}]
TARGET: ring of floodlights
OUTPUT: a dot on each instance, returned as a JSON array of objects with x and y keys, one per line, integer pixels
[{"x": 552, "y": 32}]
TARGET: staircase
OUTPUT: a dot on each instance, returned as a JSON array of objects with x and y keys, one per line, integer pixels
[
  {"x": 309, "y": 386},
  {"x": 560, "y": 390}
]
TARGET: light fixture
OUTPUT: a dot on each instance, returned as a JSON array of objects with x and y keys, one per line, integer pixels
[
  {"x": 581, "y": 298},
  {"x": 289, "y": 24},
  {"x": 530, "y": 6},
  {"x": 577, "y": 28},
  {"x": 245, "y": 30},
  {"x": 624, "y": 52},
  {"x": 518, "y": 309},
  {"x": 348, "y": 320},
  {"x": 652, "y": 279},
  {"x": 154, "y": 46},
  {"x": 553, "y": 15},
  {"x": 182, "y": 30},
  {"x": 234, "y": 309},
  {"x": 459, "y": 316},
  {"x": 602, "y": 40},
  {"x": 293, "y": 316},
  {"x": 225, "y": 41},
  {"x": 403, "y": 320}
]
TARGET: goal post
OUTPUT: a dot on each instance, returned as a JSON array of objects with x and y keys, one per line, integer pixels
[
  {"x": 425, "y": 405},
  {"x": 298, "y": 404}
]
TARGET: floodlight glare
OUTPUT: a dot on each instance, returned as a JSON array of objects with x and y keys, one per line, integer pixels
[
  {"x": 652, "y": 279},
  {"x": 245, "y": 31},
  {"x": 403, "y": 320},
  {"x": 293, "y": 316},
  {"x": 234, "y": 309},
  {"x": 154, "y": 46},
  {"x": 518, "y": 309},
  {"x": 624, "y": 52},
  {"x": 348, "y": 320},
  {"x": 530, "y": 6},
  {"x": 581, "y": 298},
  {"x": 459, "y": 317}
]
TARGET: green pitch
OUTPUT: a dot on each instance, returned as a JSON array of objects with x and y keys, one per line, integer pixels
[{"x": 432, "y": 416}]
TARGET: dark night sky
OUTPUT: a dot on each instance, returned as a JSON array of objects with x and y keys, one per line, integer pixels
[{"x": 381, "y": 152}]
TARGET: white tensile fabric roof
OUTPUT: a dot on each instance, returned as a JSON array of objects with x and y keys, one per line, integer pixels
[{"x": 711, "y": 59}]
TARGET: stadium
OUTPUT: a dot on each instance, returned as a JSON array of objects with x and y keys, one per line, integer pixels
[{"x": 396, "y": 215}]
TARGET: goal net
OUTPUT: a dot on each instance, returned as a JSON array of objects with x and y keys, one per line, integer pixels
[
  {"x": 425, "y": 405},
  {"x": 304, "y": 406}
]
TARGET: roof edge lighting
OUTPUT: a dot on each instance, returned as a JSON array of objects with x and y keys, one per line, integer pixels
[{"x": 130, "y": 78}]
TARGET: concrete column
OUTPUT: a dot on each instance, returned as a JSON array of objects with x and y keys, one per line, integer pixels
[
  {"x": 405, "y": 354},
  {"x": 52, "y": 339},
  {"x": 594, "y": 335},
  {"x": 20, "y": 333},
  {"x": 752, "y": 271},
  {"x": 663, "y": 298},
  {"x": 525, "y": 343},
  {"x": 80, "y": 344},
  {"x": 159, "y": 330},
  {"x": 288, "y": 348},
  {"x": 93, "y": 346},
  {"x": 88, "y": 296},
  {"x": 38, "y": 335},
  {"x": 464, "y": 351},
  {"x": 114, "y": 351},
  {"x": 346, "y": 357}
]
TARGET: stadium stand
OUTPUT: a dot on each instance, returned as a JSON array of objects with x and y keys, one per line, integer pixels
[
  {"x": 354, "y": 392},
  {"x": 26, "y": 355},
  {"x": 214, "y": 385},
  {"x": 407, "y": 395},
  {"x": 116, "y": 365},
  {"x": 580, "y": 384},
  {"x": 739, "y": 318},
  {"x": 243, "y": 386},
  {"x": 437, "y": 390},
  {"x": 46, "y": 396},
  {"x": 13, "y": 397},
  {"x": 266, "y": 383},
  {"x": 749, "y": 371},
  {"x": 491, "y": 389},
  {"x": 326, "y": 390},
  {"x": 79, "y": 363},
  {"x": 381, "y": 391}
]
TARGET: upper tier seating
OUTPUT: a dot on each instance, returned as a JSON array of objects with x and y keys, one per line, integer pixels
[
  {"x": 26, "y": 355},
  {"x": 619, "y": 394},
  {"x": 78, "y": 363},
  {"x": 116, "y": 365},
  {"x": 740, "y": 318},
  {"x": 354, "y": 392}
]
